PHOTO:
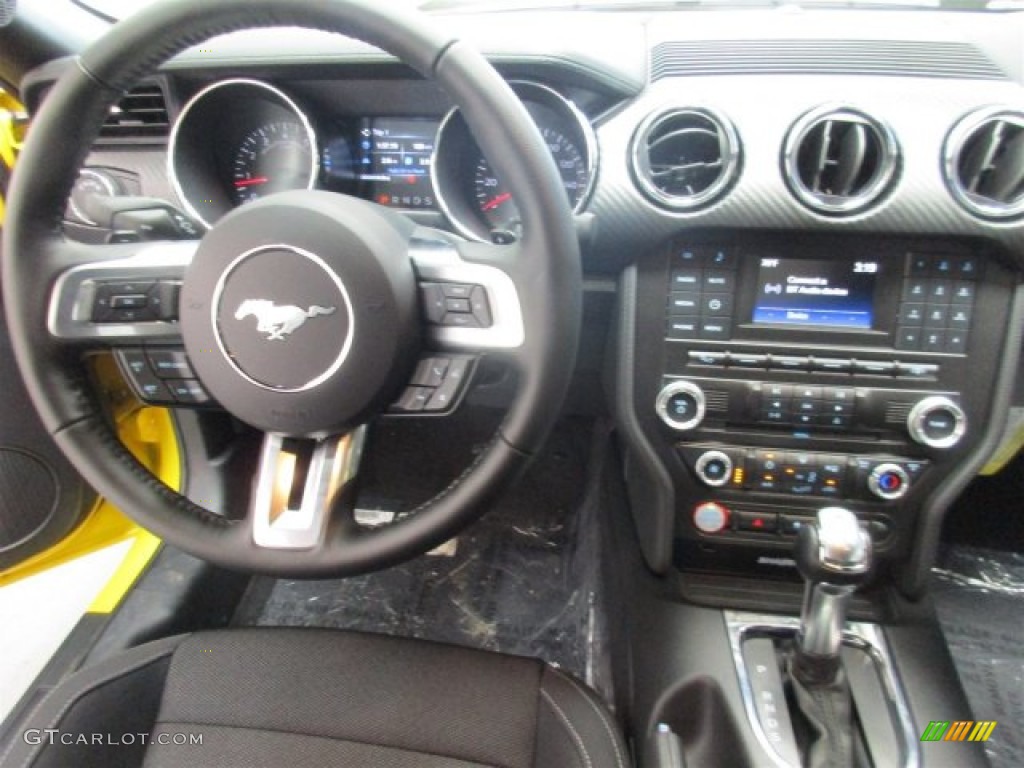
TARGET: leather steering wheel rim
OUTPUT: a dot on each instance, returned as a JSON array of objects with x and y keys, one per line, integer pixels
[{"x": 546, "y": 272}]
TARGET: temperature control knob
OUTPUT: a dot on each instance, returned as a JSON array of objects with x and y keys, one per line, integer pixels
[
  {"x": 681, "y": 405},
  {"x": 710, "y": 517},
  {"x": 937, "y": 422},
  {"x": 714, "y": 468},
  {"x": 889, "y": 481}
]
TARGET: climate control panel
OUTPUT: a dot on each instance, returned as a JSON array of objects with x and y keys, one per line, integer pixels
[{"x": 802, "y": 473}]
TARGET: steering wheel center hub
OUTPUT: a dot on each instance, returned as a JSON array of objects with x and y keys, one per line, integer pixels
[
  {"x": 283, "y": 318},
  {"x": 299, "y": 312}
]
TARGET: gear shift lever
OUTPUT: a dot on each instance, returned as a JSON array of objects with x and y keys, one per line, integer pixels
[{"x": 834, "y": 556}]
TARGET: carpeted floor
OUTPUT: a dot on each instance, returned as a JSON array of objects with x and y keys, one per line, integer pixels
[{"x": 979, "y": 596}]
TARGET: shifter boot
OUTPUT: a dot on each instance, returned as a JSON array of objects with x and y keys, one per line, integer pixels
[{"x": 826, "y": 712}]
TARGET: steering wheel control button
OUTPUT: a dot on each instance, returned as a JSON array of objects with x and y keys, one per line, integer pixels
[
  {"x": 711, "y": 517},
  {"x": 681, "y": 405},
  {"x": 456, "y": 305},
  {"x": 122, "y": 302},
  {"x": 188, "y": 392},
  {"x": 146, "y": 384},
  {"x": 437, "y": 386},
  {"x": 937, "y": 422},
  {"x": 714, "y": 468},
  {"x": 889, "y": 481},
  {"x": 170, "y": 363}
]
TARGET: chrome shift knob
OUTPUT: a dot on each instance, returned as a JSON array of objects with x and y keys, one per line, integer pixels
[{"x": 833, "y": 555}]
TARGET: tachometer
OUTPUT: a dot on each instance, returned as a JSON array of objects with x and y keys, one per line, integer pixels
[
  {"x": 495, "y": 202},
  {"x": 273, "y": 158}
]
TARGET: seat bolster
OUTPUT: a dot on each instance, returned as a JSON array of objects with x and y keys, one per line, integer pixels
[
  {"x": 99, "y": 717},
  {"x": 574, "y": 729}
]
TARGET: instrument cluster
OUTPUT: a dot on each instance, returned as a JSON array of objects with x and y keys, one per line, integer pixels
[{"x": 239, "y": 140}]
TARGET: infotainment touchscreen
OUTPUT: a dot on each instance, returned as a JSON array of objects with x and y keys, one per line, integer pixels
[{"x": 816, "y": 293}]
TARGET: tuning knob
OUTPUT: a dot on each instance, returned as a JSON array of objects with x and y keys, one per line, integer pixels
[
  {"x": 937, "y": 422},
  {"x": 681, "y": 405}
]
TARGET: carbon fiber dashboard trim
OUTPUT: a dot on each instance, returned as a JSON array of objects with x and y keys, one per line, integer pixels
[{"x": 919, "y": 111}]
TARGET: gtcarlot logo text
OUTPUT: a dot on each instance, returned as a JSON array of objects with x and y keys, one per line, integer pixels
[{"x": 53, "y": 737}]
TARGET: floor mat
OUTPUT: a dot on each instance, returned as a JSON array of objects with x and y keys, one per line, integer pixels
[
  {"x": 523, "y": 580},
  {"x": 979, "y": 596}
]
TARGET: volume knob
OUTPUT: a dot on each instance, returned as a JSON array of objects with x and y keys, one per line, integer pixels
[{"x": 681, "y": 405}]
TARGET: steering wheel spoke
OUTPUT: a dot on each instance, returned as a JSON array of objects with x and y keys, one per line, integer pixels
[
  {"x": 300, "y": 485},
  {"x": 119, "y": 294}
]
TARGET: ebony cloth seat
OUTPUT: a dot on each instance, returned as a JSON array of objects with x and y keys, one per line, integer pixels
[{"x": 291, "y": 698}]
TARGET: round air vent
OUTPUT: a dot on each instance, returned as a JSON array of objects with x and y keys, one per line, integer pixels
[
  {"x": 685, "y": 158},
  {"x": 984, "y": 163},
  {"x": 839, "y": 160}
]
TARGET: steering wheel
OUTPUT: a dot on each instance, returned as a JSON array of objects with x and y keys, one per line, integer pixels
[{"x": 354, "y": 270}]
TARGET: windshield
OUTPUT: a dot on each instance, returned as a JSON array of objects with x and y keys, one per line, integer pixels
[{"x": 119, "y": 9}]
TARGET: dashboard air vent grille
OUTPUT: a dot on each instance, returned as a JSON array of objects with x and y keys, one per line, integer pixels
[
  {"x": 684, "y": 158},
  {"x": 839, "y": 160},
  {"x": 899, "y": 58},
  {"x": 984, "y": 163},
  {"x": 141, "y": 114}
]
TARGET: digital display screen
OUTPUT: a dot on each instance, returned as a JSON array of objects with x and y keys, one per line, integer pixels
[
  {"x": 816, "y": 293},
  {"x": 393, "y": 161}
]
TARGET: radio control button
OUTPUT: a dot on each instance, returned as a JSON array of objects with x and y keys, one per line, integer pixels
[
  {"x": 960, "y": 317},
  {"x": 747, "y": 360},
  {"x": 806, "y": 406},
  {"x": 835, "y": 421},
  {"x": 681, "y": 405},
  {"x": 837, "y": 409},
  {"x": 689, "y": 257},
  {"x": 804, "y": 419},
  {"x": 716, "y": 305},
  {"x": 832, "y": 364},
  {"x": 916, "y": 290},
  {"x": 840, "y": 395},
  {"x": 920, "y": 265},
  {"x": 710, "y": 517},
  {"x": 874, "y": 367},
  {"x": 772, "y": 403},
  {"x": 789, "y": 363},
  {"x": 781, "y": 391},
  {"x": 918, "y": 371},
  {"x": 966, "y": 267},
  {"x": 684, "y": 303},
  {"x": 681, "y": 328},
  {"x": 718, "y": 330},
  {"x": 940, "y": 291},
  {"x": 908, "y": 338},
  {"x": 719, "y": 280},
  {"x": 686, "y": 279},
  {"x": 801, "y": 392},
  {"x": 963, "y": 292},
  {"x": 933, "y": 341},
  {"x": 720, "y": 258},
  {"x": 943, "y": 266},
  {"x": 716, "y": 359},
  {"x": 775, "y": 415},
  {"x": 912, "y": 313},
  {"x": 936, "y": 316},
  {"x": 956, "y": 342}
]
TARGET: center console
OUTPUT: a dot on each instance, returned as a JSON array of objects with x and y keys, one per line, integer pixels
[{"x": 774, "y": 375}]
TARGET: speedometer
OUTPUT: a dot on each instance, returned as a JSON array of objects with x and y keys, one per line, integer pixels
[
  {"x": 495, "y": 202},
  {"x": 272, "y": 158}
]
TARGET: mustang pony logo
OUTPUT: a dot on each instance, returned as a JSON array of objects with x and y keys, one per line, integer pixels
[{"x": 278, "y": 322}]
